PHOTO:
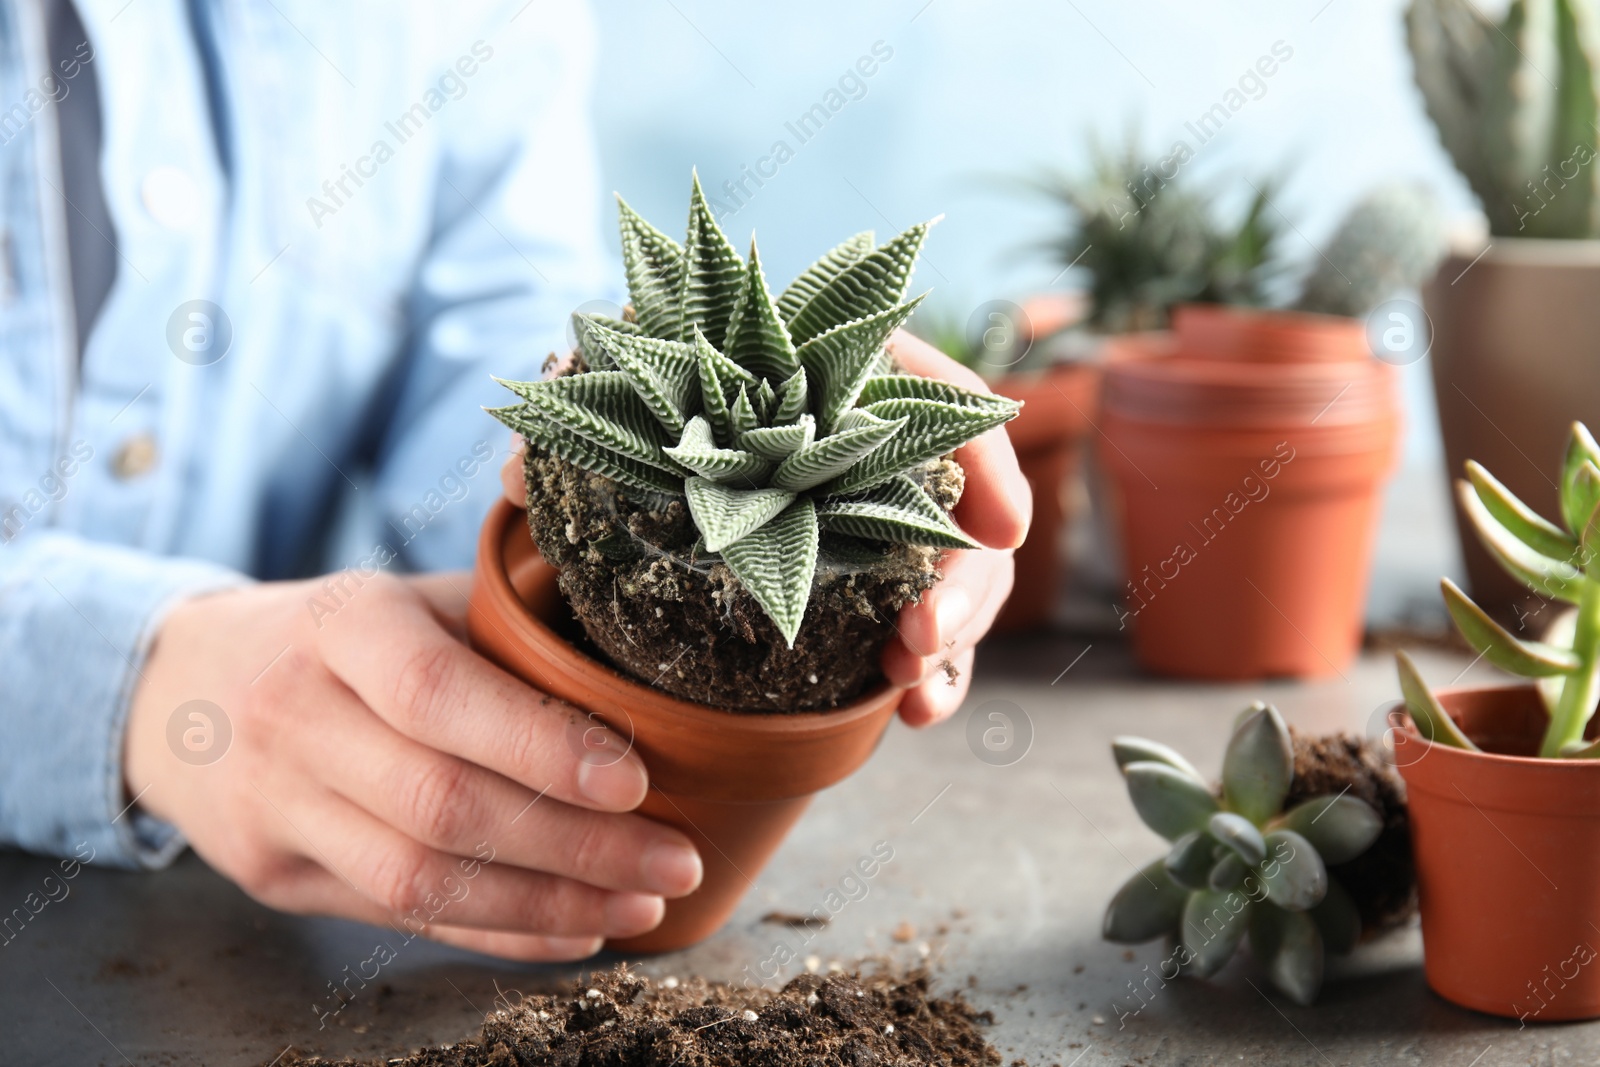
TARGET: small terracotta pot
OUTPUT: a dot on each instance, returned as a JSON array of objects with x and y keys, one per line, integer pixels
[
  {"x": 734, "y": 783},
  {"x": 1508, "y": 861},
  {"x": 1049, "y": 435},
  {"x": 1247, "y": 493}
]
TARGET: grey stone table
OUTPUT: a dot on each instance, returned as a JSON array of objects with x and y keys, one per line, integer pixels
[{"x": 999, "y": 873}]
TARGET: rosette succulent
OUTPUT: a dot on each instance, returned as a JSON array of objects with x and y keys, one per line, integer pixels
[
  {"x": 1240, "y": 863},
  {"x": 781, "y": 421}
]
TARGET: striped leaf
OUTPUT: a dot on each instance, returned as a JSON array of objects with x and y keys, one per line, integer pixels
[
  {"x": 766, "y": 402},
  {"x": 777, "y": 443},
  {"x": 600, "y": 406},
  {"x": 777, "y": 563},
  {"x": 713, "y": 274},
  {"x": 720, "y": 378},
  {"x": 793, "y": 398},
  {"x": 932, "y": 428},
  {"x": 585, "y": 454},
  {"x": 757, "y": 339},
  {"x": 873, "y": 283},
  {"x": 724, "y": 515},
  {"x": 817, "y": 276},
  {"x": 595, "y": 357},
  {"x": 823, "y": 460},
  {"x": 664, "y": 373},
  {"x": 839, "y": 363},
  {"x": 698, "y": 451},
  {"x": 897, "y": 511},
  {"x": 911, "y": 387},
  {"x": 743, "y": 415},
  {"x": 654, "y": 265}
]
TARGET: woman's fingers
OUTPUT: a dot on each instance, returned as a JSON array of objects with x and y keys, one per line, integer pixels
[
  {"x": 938, "y": 698},
  {"x": 951, "y": 617}
]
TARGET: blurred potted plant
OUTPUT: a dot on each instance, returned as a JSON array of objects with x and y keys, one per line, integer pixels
[
  {"x": 1504, "y": 781},
  {"x": 1246, "y": 449},
  {"x": 1514, "y": 317},
  {"x": 734, "y": 494}
]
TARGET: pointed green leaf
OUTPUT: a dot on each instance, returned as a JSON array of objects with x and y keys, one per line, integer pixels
[
  {"x": 778, "y": 443},
  {"x": 1169, "y": 801},
  {"x": 665, "y": 374},
  {"x": 932, "y": 429},
  {"x": 713, "y": 274},
  {"x": 697, "y": 450},
  {"x": 1191, "y": 858},
  {"x": 1293, "y": 873},
  {"x": 1339, "y": 827},
  {"x": 1213, "y": 925},
  {"x": 777, "y": 563},
  {"x": 873, "y": 283},
  {"x": 1518, "y": 519},
  {"x": 743, "y": 414},
  {"x": 757, "y": 339},
  {"x": 1530, "y": 659},
  {"x": 766, "y": 402},
  {"x": 1545, "y": 576},
  {"x": 1258, "y": 766},
  {"x": 793, "y": 399},
  {"x": 1239, "y": 835},
  {"x": 1289, "y": 945},
  {"x": 720, "y": 378},
  {"x": 1432, "y": 721},
  {"x": 600, "y": 406},
  {"x": 898, "y": 511},
  {"x": 1148, "y": 905},
  {"x": 822, "y": 460},
  {"x": 586, "y": 454},
  {"x": 595, "y": 357},
  {"x": 839, "y": 362},
  {"x": 1579, "y": 491},
  {"x": 654, "y": 266},
  {"x": 724, "y": 515},
  {"x": 1126, "y": 750},
  {"x": 914, "y": 387},
  {"x": 815, "y": 277}
]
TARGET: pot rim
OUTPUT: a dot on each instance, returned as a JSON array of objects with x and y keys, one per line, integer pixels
[
  {"x": 632, "y": 695},
  {"x": 1277, "y": 317},
  {"x": 1500, "y": 759},
  {"x": 1532, "y": 251}
]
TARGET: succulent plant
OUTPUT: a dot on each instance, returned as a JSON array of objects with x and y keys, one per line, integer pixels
[
  {"x": 779, "y": 420},
  {"x": 1559, "y": 560},
  {"x": 1392, "y": 239},
  {"x": 1240, "y": 863},
  {"x": 1515, "y": 105}
]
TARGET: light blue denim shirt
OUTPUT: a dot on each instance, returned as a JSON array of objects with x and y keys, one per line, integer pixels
[{"x": 335, "y": 220}]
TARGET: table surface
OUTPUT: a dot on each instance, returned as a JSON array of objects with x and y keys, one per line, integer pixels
[{"x": 1002, "y": 871}]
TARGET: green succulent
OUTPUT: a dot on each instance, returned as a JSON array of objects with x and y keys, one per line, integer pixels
[
  {"x": 1515, "y": 105},
  {"x": 1392, "y": 239},
  {"x": 779, "y": 420},
  {"x": 1558, "y": 560},
  {"x": 1239, "y": 863}
]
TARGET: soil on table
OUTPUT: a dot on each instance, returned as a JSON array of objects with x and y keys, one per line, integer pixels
[
  {"x": 621, "y": 1019},
  {"x": 1382, "y": 880},
  {"x": 681, "y": 622}
]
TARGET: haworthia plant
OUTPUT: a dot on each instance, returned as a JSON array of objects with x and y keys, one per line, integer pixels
[
  {"x": 1239, "y": 862},
  {"x": 777, "y": 419},
  {"x": 1515, "y": 104},
  {"x": 1559, "y": 560}
]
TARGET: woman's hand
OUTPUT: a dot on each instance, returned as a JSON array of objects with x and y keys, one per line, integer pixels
[
  {"x": 373, "y": 764},
  {"x": 932, "y": 652}
]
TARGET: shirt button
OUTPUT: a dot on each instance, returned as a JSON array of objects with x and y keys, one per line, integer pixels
[
  {"x": 137, "y": 456},
  {"x": 171, "y": 197}
]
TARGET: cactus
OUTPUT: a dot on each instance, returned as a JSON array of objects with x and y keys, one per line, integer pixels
[
  {"x": 1391, "y": 240},
  {"x": 1240, "y": 863},
  {"x": 1554, "y": 559},
  {"x": 1515, "y": 105},
  {"x": 778, "y": 420}
]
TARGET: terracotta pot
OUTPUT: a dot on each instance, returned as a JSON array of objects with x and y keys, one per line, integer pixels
[
  {"x": 1247, "y": 497},
  {"x": 1508, "y": 861},
  {"x": 1513, "y": 365},
  {"x": 1220, "y": 332},
  {"x": 734, "y": 783},
  {"x": 1049, "y": 436}
]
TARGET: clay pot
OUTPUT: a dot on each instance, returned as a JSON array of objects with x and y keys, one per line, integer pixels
[
  {"x": 1513, "y": 366},
  {"x": 1247, "y": 493},
  {"x": 1508, "y": 861},
  {"x": 1049, "y": 436},
  {"x": 734, "y": 783}
]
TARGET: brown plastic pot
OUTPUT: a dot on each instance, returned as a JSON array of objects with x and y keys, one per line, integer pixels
[
  {"x": 1508, "y": 861},
  {"x": 1049, "y": 435},
  {"x": 1247, "y": 494},
  {"x": 734, "y": 783}
]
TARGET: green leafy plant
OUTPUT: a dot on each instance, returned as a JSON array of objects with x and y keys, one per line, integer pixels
[
  {"x": 779, "y": 420},
  {"x": 1239, "y": 863},
  {"x": 1515, "y": 105},
  {"x": 1559, "y": 560}
]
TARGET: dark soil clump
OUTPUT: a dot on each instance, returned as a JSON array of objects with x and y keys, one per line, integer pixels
[
  {"x": 1383, "y": 879},
  {"x": 621, "y": 1019},
  {"x": 682, "y": 623}
]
